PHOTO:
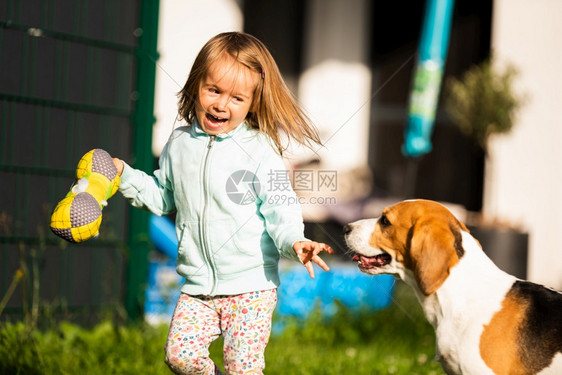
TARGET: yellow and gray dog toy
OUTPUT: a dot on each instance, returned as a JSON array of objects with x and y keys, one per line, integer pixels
[{"x": 77, "y": 217}]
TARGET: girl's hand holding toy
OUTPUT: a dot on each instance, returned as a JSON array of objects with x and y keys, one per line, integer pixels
[{"x": 77, "y": 217}]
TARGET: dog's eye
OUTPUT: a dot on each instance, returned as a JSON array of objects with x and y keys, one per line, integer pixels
[{"x": 384, "y": 221}]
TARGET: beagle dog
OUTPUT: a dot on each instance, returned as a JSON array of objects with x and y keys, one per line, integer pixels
[{"x": 486, "y": 321}]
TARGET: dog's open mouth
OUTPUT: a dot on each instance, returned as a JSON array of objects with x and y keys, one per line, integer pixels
[{"x": 365, "y": 262}]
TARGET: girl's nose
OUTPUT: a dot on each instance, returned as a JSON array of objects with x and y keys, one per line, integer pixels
[{"x": 222, "y": 102}]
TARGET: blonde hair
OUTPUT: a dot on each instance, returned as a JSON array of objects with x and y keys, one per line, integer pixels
[{"x": 274, "y": 108}]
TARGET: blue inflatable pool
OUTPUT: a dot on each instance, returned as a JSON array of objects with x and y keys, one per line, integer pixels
[{"x": 298, "y": 295}]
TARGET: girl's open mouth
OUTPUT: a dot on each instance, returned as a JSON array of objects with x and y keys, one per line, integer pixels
[{"x": 214, "y": 122}]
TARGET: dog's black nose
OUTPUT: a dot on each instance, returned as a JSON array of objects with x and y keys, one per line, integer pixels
[{"x": 347, "y": 229}]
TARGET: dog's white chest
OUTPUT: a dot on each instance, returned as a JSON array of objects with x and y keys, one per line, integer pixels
[
  {"x": 460, "y": 309},
  {"x": 458, "y": 350}
]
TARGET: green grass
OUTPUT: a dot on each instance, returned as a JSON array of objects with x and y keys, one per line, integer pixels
[{"x": 397, "y": 340}]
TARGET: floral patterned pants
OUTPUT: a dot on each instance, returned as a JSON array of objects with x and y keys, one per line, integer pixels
[{"x": 244, "y": 321}]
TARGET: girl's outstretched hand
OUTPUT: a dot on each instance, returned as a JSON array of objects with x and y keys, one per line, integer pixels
[{"x": 308, "y": 251}]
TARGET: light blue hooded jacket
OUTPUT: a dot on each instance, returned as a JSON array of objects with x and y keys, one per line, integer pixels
[{"x": 236, "y": 210}]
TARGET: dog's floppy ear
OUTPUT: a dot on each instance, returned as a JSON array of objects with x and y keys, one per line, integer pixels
[{"x": 434, "y": 249}]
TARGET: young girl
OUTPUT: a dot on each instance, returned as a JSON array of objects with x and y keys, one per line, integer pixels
[{"x": 235, "y": 216}]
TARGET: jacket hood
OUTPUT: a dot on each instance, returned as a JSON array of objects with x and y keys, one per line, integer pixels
[{"x": 197, "y": 131}]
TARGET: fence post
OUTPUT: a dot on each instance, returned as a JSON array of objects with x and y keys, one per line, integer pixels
[{"x": 143, "y": 120}]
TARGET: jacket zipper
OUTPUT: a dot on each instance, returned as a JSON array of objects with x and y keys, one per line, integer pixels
[{"x": 206, "y": 250}]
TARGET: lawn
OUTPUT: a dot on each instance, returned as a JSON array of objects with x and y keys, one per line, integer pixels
[{"x": 397, "y": 340}]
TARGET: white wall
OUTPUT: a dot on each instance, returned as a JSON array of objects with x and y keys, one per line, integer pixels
[
  {"x": 184, "y": 27},
  {"x": 524, "y": 173},
  {"x": 335, "y": 87}
]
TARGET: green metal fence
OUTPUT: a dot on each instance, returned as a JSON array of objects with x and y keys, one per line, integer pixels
[{"x": 74, "y": 75}]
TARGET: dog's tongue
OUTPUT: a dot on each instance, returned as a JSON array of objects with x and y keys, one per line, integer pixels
[{"x": 376, "y": 261}]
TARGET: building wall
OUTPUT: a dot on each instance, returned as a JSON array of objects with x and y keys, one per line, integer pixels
[
  {"x": 524, "y": 174},
  {"x": 523, "y": 181}
]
